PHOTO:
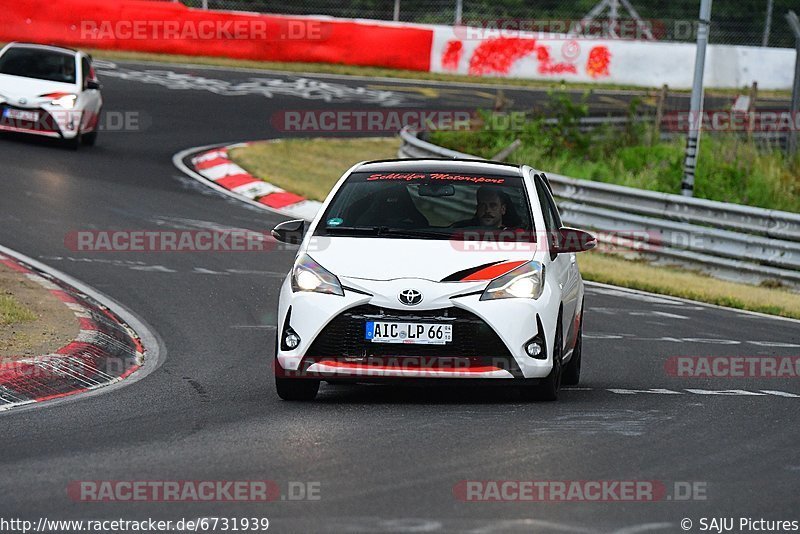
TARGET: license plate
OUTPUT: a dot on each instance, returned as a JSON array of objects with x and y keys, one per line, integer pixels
[
  {"x": 21, "y": 115},
  {"x": 416, "y": 333}
]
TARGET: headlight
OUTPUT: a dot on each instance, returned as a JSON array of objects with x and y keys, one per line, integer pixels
[
  {"x": 308, "y": 275},
  {"x": 524, "y": 282},
  {"x": 66, "y": 101}
]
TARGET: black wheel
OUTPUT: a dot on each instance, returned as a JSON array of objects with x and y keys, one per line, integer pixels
[
  {"x": 572, "y": 371},
  {"x": 89, "y": 139},
  {"x": 296, "y": 389},
  {"x": 73, "y": 143},
  {"x": 548, "y": 389}
]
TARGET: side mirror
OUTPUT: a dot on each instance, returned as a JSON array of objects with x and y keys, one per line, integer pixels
[
  {"x": 574, "y": 240},
  {"x": 291, "y": 232},
  {"x": 92, "y": 84}
]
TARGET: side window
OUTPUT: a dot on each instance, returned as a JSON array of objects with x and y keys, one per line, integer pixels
[
  {"x": 551, "y": 217},
  {"x": 86, "y": 71}
]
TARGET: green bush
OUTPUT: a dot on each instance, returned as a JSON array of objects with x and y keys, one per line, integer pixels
[{"x": 731, "y": 168}]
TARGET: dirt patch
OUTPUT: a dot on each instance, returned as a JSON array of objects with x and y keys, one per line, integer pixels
[{"x": 54, "y": 326}]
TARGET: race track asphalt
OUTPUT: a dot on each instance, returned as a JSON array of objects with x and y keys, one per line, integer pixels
[{"x": 386, "y": 459}]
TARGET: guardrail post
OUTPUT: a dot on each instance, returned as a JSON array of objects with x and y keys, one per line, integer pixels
[
  {"x": 662, "y": 98},
  {"x": 696, "y": 105},
  {"x": 507, "y": 151},
  {"x": 794, "y": 23},
  {"x": 751, "y": 108}
]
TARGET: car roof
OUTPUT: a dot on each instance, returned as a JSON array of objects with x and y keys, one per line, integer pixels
[
  {"x": 429, "y": 165},
  {"x": 53, "y": 48}
]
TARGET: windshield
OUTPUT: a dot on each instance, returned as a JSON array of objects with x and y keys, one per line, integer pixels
[
  {"x": 40, "y": 64},
  {"x": 430, "y": 205}
]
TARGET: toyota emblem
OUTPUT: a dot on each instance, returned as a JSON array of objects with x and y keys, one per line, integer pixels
[
  {"x": 410, "y": 297},
  {"x": 23, "y": 101}
]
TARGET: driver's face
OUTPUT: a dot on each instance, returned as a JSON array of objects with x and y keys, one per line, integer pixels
[{"x": 490, "y": 210}]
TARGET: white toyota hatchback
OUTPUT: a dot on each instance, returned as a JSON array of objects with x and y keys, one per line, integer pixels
[
  {"x": 428, "y": 270},
  {"x": 49, "y": 91}
]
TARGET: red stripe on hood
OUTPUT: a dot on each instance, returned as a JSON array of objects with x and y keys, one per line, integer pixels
[{"x": 493, "y": 271}]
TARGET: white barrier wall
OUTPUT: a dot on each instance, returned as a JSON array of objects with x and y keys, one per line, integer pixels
[{"x": 629, "y": 62}]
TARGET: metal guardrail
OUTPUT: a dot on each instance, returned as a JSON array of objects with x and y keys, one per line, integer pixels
[{"x": 726, "y": 240}]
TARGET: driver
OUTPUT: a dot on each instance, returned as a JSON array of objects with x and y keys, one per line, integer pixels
[
  {"x": 68, "y": 70},
  {"x": 491, "y": 208}
]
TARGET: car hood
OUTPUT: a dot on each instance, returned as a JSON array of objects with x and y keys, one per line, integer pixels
[
  {"x": 12, "y": 88},
  {"x": 434, "y": 260}
]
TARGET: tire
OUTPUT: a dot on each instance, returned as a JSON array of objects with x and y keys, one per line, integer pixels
[
  {"x": 572, "y": 371},
  {"x": 547, "y": 390},
  {"x": 296, "y": 389},
  {"x": 89, "y": 139},
  {"x": 73, "y": 143}
]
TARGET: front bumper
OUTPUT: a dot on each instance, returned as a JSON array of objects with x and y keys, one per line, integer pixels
[
  {"x": 64, "y": 124},
  {"x": 489, "y": 337}
]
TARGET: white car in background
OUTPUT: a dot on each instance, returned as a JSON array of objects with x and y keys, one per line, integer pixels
[
  {"x": 431, "y": 270},
  {"x": 49, "y": 91}
]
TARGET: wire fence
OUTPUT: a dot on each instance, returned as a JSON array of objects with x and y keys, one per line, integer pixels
[{"x": 733, "y": 22}]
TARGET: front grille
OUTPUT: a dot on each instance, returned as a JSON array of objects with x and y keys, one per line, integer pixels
[{"x": 474, "y": 341}]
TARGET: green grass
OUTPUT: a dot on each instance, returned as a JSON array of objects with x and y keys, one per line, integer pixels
[
  {"x": 12, "y": 312},
  {"x": 610, "y": 269},
  {"x": 311, "y": 167},
  {"x": 730, "y": 168}
]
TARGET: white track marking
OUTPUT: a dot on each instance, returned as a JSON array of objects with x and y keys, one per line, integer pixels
[
  {"x": 637, "y": 294},
  {"x": 298, "y": 87}
]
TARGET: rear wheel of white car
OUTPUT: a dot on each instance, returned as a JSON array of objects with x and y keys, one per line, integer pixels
[
  {"x": 547, "y": 390},
  {"x": 296, "y": 389},
  {"x": 572, "y": 371}
]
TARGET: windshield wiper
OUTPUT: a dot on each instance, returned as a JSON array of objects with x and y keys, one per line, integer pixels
[
  {"x": 379, "y": 231},
  {"x": 410, "y": 232},
  {"x": 368, "y": 230}
]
